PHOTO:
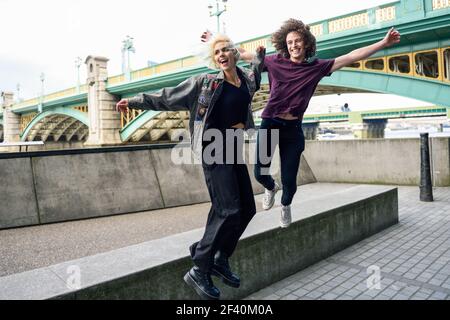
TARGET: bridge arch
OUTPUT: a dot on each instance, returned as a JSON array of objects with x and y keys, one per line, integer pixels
[
  {"x": 56, "y": 123},
  {"x": 155, "y": 125},
  {"x": 435, "y": 92}
]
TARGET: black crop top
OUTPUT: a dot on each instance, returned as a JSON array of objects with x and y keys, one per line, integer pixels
[{"x": 231, "y": 107}]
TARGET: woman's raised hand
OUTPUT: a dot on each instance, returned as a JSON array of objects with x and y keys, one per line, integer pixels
[{"x": 122, "y": 105}]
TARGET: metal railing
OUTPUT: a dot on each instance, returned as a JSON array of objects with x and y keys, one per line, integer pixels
[{"x": 21, "y": 144}]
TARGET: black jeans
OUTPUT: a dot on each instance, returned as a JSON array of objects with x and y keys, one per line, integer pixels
[
  {"x": 233, "y": 206},
  {"x": 291, "y": 144}
]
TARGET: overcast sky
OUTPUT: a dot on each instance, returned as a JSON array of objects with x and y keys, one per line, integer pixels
[{"x": 47, "y": 35}]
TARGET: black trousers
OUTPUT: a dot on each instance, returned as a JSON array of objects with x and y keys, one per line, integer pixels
[
  {"x": 233, "y": 206},
  {"x": 291, "y": 144}
]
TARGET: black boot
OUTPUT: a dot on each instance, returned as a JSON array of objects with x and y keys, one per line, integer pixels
[
  {"x": 221, "y": 269},
  {"x": 202, "y": 284}
]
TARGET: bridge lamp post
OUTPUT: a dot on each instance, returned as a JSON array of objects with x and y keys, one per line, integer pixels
[
  {"x": 218, "y": 12},
  {"x": 18, "y": 92},
  {"x": 41, "y": 98},
  {"x": 127, "y": 47},
  {"x": 78, "y": 63}
]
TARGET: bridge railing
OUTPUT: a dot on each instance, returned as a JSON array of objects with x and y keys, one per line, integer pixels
[
  {"x": 431, "y": 111},
  {"x": 429, "y": 64},
  {"x": 21, "y": 144},
  {"x": 128, "y": 116}
]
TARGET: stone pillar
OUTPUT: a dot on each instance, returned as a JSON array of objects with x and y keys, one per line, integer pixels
[
  {"x": 11, "y": 121},
  {"x": 310, "y": 130},
  {"x": 369, "y": 129},
  {"x": 359, "y": 130},
  {"x": 104, "y": 121}
]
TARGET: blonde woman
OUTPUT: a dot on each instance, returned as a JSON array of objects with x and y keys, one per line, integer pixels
[{"x": 218, "y": 103}]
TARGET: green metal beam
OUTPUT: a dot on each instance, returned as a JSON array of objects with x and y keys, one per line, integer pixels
[
  {"x": 161, "y": 81},
  {"x": 80, "y": 116},
  {"x": 360, "y": 116},
  {"x": 63, "y": 102},
  {"x": 155, "y": 83},
  {"x": 326, "y": 117},
  {"x": 405, "y": 113},
  {"x": 435, "y": 92},
  {"x": 137, "y": 123}
]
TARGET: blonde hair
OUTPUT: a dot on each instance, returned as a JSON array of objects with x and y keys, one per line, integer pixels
[{"x": 218, "y": 38}]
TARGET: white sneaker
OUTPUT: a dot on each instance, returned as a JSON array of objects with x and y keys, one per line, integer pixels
[
  {"x": 269, "y": 197},
  {"x": 286, "y": 217}
]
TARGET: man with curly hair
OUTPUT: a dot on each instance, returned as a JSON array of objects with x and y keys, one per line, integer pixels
[{"x": 294, "y": 73}]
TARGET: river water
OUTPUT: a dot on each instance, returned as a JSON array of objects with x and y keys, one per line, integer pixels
[{"x": 390, "y": 134}]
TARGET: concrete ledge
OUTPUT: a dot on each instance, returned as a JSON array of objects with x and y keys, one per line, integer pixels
[
  {"x": 265, "y": 254},
  {"x": 180, "y": 184},
  {"x": 17, "y": 194},
  {"x": 94, "y": 185},
  {"x": 391, "y": 161},
  {"x": 50, "y": 187}
]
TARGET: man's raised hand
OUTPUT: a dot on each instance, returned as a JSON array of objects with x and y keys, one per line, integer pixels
[{"x": 392, "y": 37}]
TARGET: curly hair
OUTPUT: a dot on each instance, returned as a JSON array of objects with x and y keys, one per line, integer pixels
[{"x": 293, "y": 25}]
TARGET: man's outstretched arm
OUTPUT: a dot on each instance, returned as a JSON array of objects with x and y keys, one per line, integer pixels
[
  {"x": 244, "y": 55},
  {"x": 392, "y": 37}
]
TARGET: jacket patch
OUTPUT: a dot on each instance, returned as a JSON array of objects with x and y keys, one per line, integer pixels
[
  {"x": 202, "y": 99},
  {"x": 214, "y": 86},
  {"x": 201, "y": 111}
]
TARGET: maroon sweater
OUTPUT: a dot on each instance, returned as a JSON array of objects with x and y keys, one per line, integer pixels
[{"x": 292, "y": 84}]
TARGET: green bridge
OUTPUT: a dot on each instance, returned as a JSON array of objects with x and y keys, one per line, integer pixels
[{"x": 418, "y": 68}]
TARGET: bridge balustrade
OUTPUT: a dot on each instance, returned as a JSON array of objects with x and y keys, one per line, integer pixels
[
  {"x": 83, "y": 108},
  {"x": 400, "y": 64},
  {"x": 431, "y": 64},
  {"x": 356, "y": 65},
  {"x": 25, "y": 120},
  {"x": 427, "y": 63},
  {"x": 377, "y": 64},
  {"x": 128, "y": 116},
  {"x": 440, "y": 4},
  {"x": 446, "y": 59}
]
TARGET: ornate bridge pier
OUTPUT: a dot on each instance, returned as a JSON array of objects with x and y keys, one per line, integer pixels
[
  {"x": 103, "y": 119},
  {"x": 367, "y": 128},
  {"x": 310, "y": 130},
  {"x": 11, "y": 121}
]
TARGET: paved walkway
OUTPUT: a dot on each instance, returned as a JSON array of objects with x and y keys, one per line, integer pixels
[{"x": 412, "y": 259}]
